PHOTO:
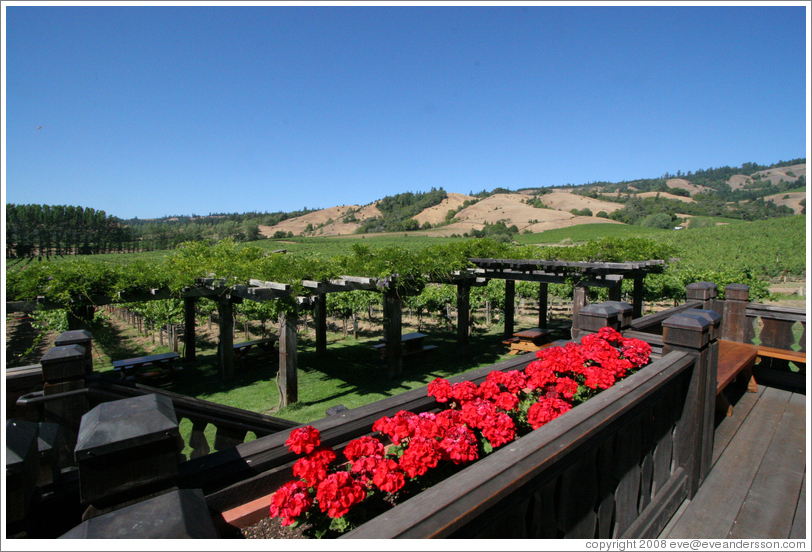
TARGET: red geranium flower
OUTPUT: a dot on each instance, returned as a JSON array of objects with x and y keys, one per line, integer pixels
[
  {"x": 499, "y": 429},
  {"x": 460, "y": 445},
  {"x": 421, "y": 455},
  {"x": 489, "y": 389},
  {"x": 388, "y": 476},
  {"x": 546, "y": 410},
  {"x": 464, "y": 391},
  {"x": 363, "y": 446},
  {"x": 337, "y": 493},
  {"x": 313, "y": 467},
  {"x": 303, "y": 440},
  {"x": 567, "y": 387},
  {"x": 507, "y": 401},
  {"x": 440, "y": 389},
  {"x": 290, "y": 501}
]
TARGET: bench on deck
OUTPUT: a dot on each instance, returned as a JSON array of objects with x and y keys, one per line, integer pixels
[
  {"x": 133, "y": 368},
  {"x": 738, "y": 359},
  {"x": 266, "y": 345}
]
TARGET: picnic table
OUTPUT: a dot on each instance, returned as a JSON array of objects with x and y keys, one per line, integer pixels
[
  {"x": 132, "y": 368},
  {"x": 528, "y": 340},
  {"x": 412, "y": 344},
  {"x": 265, "y": 344}
]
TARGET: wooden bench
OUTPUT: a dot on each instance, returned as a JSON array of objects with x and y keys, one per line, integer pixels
[
  {"x": 798, "y": 357},
  {"x": 131, "y": 368},
  {"x": 412, "y": 345},
  {"x": 266, "y": 345},
  {"x": 527, "y": 341},
  {"x": 738, "y": 359}
]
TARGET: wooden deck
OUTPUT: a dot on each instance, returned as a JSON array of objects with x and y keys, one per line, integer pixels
[{"x": 757, "y": 486}]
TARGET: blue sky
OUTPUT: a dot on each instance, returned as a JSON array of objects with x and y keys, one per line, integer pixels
[{"x": 152, "y": 111}]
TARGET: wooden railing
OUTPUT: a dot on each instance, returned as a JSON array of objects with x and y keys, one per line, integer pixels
[
  {"x": 232, "y": 424},
  {"x": 653, "y": 323}
]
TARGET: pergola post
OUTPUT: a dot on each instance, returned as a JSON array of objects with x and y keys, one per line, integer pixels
[
  {"x": 542, "y": 304},
  {"x": 615, "y": 292},
  {"x": 288, "y": 376},
  {"x": 578, "y": 302},
  {"x": 320, "y": 321},
  {"x": 392, "y": 322},
  {"x": 510, "y": 299},
  {"x": 226, "y": 348},
  {"x": 189, "y": 327},
  {"x": 637, "y": 297},
  {"x": 463, "y": 316}
]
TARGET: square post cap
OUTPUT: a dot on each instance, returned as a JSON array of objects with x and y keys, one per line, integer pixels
[
  {"x": 626, "y": 312},
  {"x": 701, "y": 290},
  {"x": 73, "y": 337},
  {"x": 63, "y": 353},
  {"x": 689, "y": 328},
  {"x": 595, "y": 316},
  {"x": 126, "y": 423},
  {"x": 737, "y": 292},
  {"x": 21, "y": 445},
  {"x": 178, "y": 514}
]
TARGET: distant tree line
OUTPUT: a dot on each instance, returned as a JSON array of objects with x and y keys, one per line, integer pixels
[{"x": 45, "y": 230}]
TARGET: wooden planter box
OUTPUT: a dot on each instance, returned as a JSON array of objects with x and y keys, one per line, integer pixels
[{"x": 617, "y": 466}]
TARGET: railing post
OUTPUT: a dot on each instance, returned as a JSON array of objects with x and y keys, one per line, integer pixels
[
  {"x": 734, "y": 322},
  {"x": 625, "y": 314},
  {"x": 694, "y": 332},
  {"x": 127, "y": 450},
  {"x": 64, "y": 369},
  {"x": 78, "y": 337},
  {"x": 593, "y": 317},
  {"x": 22, "y": 466},
  {"x": 703, "y": 291}
]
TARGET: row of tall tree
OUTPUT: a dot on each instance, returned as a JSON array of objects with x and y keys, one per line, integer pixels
[{"x": 45, "y": 230}]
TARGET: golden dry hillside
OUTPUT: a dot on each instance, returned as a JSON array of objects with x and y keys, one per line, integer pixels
[{"x": 515, "y": 208}]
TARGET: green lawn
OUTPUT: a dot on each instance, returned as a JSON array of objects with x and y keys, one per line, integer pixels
[{"x": 351, "y": 374}]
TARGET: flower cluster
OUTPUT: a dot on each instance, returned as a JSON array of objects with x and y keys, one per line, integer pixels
[{"x": 475, "y": 420}]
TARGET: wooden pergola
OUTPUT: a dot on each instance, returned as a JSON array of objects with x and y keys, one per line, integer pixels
[{"x": 586, "y": 274}]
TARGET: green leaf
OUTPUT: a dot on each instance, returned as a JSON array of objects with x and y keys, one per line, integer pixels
[{"x": 340, "y": 524}]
